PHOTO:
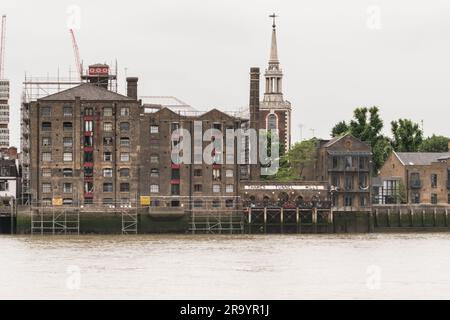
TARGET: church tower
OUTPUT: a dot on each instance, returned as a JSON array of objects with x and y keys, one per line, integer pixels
[{"x": 275, "y": 112}]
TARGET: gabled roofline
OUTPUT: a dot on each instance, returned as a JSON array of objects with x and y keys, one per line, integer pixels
[{"x": 398, "y": 157}]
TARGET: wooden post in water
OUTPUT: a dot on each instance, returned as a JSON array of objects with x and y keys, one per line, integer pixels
[
  {"x": 412, "y": 217},
  {"x": 435, "y": 217},
  {"x": 297, "y": 219},
  {"x": 332, "y": 220},
  {"x": 446, "y": 218},
  {"x": 423, "y": 218},
  {"x": 282, "y": 220},
  {"x": 400, "y": 217},
  {"x": 389, "y": 218},
  {"x": 250, "y": 211},
  {"x": 265, "y": 220},
  {"x": 315, "y": 220},
  {"x": 376, "y": 218}
]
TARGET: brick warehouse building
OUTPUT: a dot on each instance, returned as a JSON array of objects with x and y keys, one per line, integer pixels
[{"x": 84, "y": 147}]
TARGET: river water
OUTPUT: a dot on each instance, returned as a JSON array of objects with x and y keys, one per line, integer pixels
[{"x": 408, "y": 266}]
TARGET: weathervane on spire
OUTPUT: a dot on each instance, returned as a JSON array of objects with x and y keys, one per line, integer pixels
[{"x": 274, "y": 16}]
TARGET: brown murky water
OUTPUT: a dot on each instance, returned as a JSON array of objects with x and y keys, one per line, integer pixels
[{"x": 411, "y": 266}]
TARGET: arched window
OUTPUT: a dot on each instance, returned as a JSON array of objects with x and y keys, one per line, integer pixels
[{"x": 272, "y": 122}]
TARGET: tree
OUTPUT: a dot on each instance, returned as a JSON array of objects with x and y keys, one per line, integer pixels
[
  {"x": 301, "y": 156},
  {"x": 340, "y": 129},
  {"x": 407, "y": 135},
  {"x": 435, "y": 144},
  {"x": 367, "y": 124}
]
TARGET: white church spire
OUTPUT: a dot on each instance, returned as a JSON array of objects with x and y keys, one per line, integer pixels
[{"x": 274, "y": 74}]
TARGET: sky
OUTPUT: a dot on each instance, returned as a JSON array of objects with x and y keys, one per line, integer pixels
[{"x": 336, "y": 55}]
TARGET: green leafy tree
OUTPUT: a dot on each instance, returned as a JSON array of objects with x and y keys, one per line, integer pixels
[
  {"x": 407, "y": 136},
  {"x": 302, "y": 155},
  {"x": 340, "y": 129},
  {"x": 434, "y": 144}
]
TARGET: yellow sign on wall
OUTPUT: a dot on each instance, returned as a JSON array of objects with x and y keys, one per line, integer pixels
[
  {"x": 57, "y": 202},
  {"x": 146, "y": 201}
]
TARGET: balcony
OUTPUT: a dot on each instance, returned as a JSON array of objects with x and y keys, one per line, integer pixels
[{"x": 415, "y": 184}]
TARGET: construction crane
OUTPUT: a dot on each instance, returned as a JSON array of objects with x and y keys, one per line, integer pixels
[
  {"x": 77, "y": 53},
  {"x": 2, "y": 47}
]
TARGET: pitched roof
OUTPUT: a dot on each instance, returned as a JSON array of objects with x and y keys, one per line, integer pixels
[
  {"x": 86, "y": 91},
  {"x": 421, "y": 158}
]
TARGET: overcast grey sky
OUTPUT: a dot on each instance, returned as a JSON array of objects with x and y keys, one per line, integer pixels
[{"x": 336, "y": 55}]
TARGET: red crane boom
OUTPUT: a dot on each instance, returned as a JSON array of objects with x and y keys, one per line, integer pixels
[{"x": 77, "y": 53}]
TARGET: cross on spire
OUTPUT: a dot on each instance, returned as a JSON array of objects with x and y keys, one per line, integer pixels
[{"x": 274, "y": 16}]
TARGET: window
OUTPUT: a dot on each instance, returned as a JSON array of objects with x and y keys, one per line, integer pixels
[
  {"x": 89, "y": 126},
  {"x": 154, "y": 188},
  {"x": 124, "y": 187},
  {"x": 216, "y": 188},
  {"x": 46, "y": 126},
  {"x": 348, "y": 162},
  {"x": 176, "y": 174},
  {"x": 88, "y": 172},
  {"x": 67, "y": 202},
  {"x": 154, "y": 173},
  {"x": 229, "y": 203},
  {"x": 230, "y": 173},
  {"x": 154, "y": 159},
  {"x": 348, "y": 183},
  {"x": 154, "y": 129},
  {"x": 108, "y": 187},
  {"x": 216, "y": 174},
  {"x": 68, "y": 111},
  {"x": 67, "y": 188},
  {"x": 124, "y": 112},
  {"x": 107, "y": 156},
  {"x": 89, "y": 187},
  {"x": 46, "y": 157},
  {"x": 124, "y": 173},
  {"x": 364, "y": 163},
  {"x": 216, "y": 203},
  {"x": 434, "y": 180},
  {"x": 416, "y": 197},
  {"x": 67, "y": 142},
  {"x": 335, "y": 181},
  {"x": 175, "y": 189},
  {"x": 47, "y": 173},
  {"x": 46, "y": 202},
  {"x": 4, "y": 186},
  {"x": 108, "y": 173},
  {"x": 107, "y": 141},
  {"x": 272, "y": 123},
  {"x": 198, "y": 173},
  {"x": 124, "y": 126},
  {"x": 68, "y": 173},
  {"x": 363, "y": 201},
  {"x": 107, "y": 201},
  {"x": 230, "y": 188},
  {"x": 88, "y": 112},
  {"x": 88, "y": 157},
  {"x": 348, "y": 200},
  {"x": 46, "y": 188},
  {"x": 124, "y": 142},
  {"x": 434, "y": 198},
  {"x": 107, "y": 127},
  {"x": 198, "y": 188},
  {"x": 198, "y": 203},
  {"x": 67, "y": 156},
  {"x": 46, "y": 111},
  {"x": 124, "y": 157},
  {"x": 67, "y": 126},
  {"x": 46, "y": 142},
  {"x": 174, "y": 127},
  {"x": 107, "y": 112},
  {"x": 88, "y": 141},
  {"x": 448, "y": 198}
]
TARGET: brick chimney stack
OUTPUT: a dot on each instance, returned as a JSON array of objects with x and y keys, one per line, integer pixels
[
  {"x": 132, "y": 88},
  {"x": 255, "y": 170}
]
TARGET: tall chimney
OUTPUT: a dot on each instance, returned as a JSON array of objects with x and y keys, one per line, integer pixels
[
  {"x": 132, "y": 88},
  {"x": 255, "y": 170}
]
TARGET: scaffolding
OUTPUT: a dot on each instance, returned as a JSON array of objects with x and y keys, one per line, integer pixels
[{"x": 55, "y": 221}]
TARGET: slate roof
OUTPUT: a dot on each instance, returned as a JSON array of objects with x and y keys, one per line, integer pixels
[
  {"x": 421, "y": 158},
  {"x": 87, "y": 92}
]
